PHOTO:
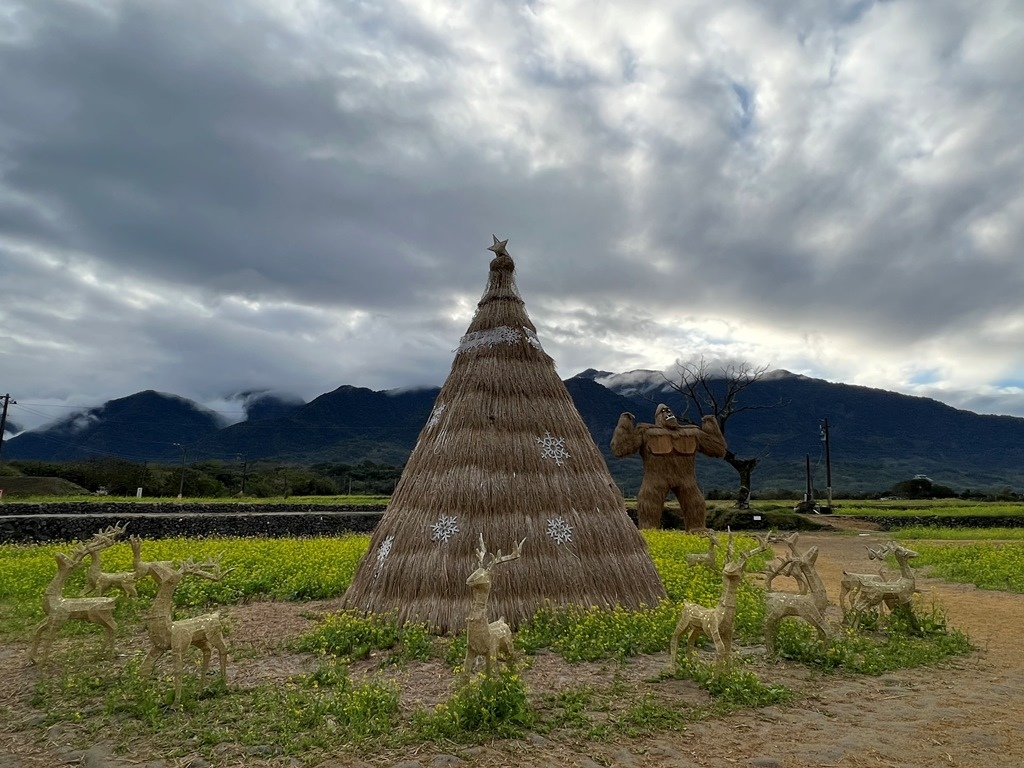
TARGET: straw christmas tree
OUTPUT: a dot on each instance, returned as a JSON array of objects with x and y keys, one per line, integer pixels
[{"x": 506, "y": 455}]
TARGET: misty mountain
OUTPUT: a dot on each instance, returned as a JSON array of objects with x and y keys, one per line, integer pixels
[
  {"x": 877, "y": 437},
  {"x": 267, "y": 406},
  {"x": 141, "y": 427}
]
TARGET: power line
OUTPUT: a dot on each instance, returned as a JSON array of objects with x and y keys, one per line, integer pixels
[{"x": 3, "y": 419}]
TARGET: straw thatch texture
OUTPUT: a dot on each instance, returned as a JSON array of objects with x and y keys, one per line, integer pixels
[{"x": 504, "y": 454}]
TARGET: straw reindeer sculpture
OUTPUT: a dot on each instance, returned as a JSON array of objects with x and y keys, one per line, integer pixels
[
  {"x": 716, "y": 623},
  {"x": 893, "y": 594},
  {"x": 706, "y": 559},
  {"x": 205, "y": 632},
  {"x": 60, "y": 609},
  {"x": 809, "y": 605},
  {"x": 142, "y": 567},
  {"x": 487, "y": 640},
  {"x": 99, "y": 582},
  {"x": 851, "y": 584}
]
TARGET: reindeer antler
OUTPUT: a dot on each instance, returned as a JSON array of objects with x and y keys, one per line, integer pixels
[
  {"x": 104, "y": 539},
  {"x": 481, "y": 555},
  {"x": 481, "y": 552},
  {"x": 782, "y": 566},
  {"x": 901, "y": 551},
  {"x": 735, "y": 563},
  {"x": 880, "y": 553},
  {"x": 515, "y": 553},
  {"x": 208, "y": 569},
  {"x": 78, "y": 553}
]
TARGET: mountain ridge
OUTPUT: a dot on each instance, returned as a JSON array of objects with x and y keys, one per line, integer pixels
[{"x": 877, "y": 437}]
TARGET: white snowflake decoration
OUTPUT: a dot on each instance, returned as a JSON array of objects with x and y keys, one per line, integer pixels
[
  {"x": 445, "y": 527},
  {"x": 435, "y": 415},
  {"x": 489, "y": 338},
  {"x": 531, "y": 337},
  {"x": 382, "y": 554},
  {"x": 559, "y": 530},
  {"x": 553, "y": 448}
]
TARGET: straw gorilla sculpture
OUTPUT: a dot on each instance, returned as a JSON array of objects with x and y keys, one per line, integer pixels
[{"x": 669, "y": 450}]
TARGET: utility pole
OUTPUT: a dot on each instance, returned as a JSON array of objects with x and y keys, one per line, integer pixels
[
  {"x": 809, "y": 493},
  {"x": 244, "y": 458},
  {"x": 828, "y": 465},
  {"x": 3, "y": 419},
  {"x": 181, "y": 485}
]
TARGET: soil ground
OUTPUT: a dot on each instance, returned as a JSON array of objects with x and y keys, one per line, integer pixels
[{"x": 968, "y": 712}]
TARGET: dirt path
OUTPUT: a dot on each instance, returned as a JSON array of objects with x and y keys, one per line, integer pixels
[{"x": 967, "y": 713}]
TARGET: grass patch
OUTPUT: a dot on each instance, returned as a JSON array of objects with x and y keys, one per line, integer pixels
[
  {"x": 484, "y": 707},
  {"x": 986, "y": 565},
  {"x": 283, "y": 569},
  {"x": 900, "y": 646},
  {"x": 352, "y": 636},
  {"x": 734, "y": 687},
  {"x": 323, "y": 711},
  {"x": 326, "y": 712},
  {"x": 959, "y": 534},
  {"x": 939, "y": 507}
]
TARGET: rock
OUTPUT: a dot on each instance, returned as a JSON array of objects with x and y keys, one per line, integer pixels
[
  {"x": 537, "y": 740},
  {"x": 196, "y": 762},
  {"x": 409, "y": 764},
  {"x": 443, "y": 761},
  {"x": 98, "y": 756},
  {"x": 624, "y": 759},
  {"x": 665, "y": 750}
]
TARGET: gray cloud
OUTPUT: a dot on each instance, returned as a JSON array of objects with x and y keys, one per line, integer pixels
[{"x": 210, "y": 198}]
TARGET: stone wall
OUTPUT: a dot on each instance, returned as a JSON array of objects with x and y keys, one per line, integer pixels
[
  {"x": 33, "y": 523},
  {"x": 946, "y": 521}
]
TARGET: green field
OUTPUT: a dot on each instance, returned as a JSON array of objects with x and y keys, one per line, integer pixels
[
  {"x": 326, "y": 709},
  {"x": 942, "y": 507}
]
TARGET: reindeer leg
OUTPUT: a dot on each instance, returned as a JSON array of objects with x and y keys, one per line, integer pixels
[
  {"x": 109, "y": 632},
  {"x": 146, "y": 668},
  {"x": 820, "y": 624},
  {"x": 204, "y": 646},
  {"x": 36, "y": 637},
  {"x": 217, "y": 640},
  {"x": 691, "y": 642},
  {"x": 771, "y": 629},
  {"x": 179, "y": 660},
  {"x": 721, "y": 647},
  {"x": 673, "y": 651},
  {"x": 105, "y": 619},
  {"x": 52, "y": 627}
]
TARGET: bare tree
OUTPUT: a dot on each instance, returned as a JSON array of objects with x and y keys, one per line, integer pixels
[{"x": 717, "y": 391}]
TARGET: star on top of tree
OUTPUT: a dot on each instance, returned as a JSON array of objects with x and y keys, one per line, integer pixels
[{"x": 499, "y": 246}]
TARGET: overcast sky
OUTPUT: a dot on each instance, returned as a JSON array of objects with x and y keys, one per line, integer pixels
[{"x": 209, "y": 197}]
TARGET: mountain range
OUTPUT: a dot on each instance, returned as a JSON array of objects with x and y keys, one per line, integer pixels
[{"x": 877, "y": 438}]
